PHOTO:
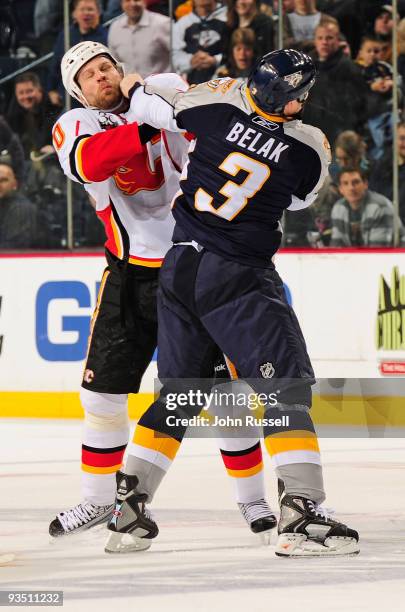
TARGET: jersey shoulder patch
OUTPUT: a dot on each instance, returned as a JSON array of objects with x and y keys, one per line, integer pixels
[
  {"x": 217, "y": 91},
  {"x": 311, "y": 136}
]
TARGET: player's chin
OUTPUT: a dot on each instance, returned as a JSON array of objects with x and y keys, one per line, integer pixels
[{"x": 108, "y": 99}]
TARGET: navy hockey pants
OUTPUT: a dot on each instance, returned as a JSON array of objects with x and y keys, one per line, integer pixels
[{"x": 205, "y": 301}]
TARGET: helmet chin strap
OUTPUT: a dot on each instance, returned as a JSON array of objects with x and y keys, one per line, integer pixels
[{"x": 122, "y": 105}]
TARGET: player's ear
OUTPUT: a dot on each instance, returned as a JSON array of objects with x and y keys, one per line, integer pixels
[{"x": 121, "y": 69}]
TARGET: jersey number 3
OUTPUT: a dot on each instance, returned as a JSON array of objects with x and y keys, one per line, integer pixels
[{"x": 237, "y": 195}]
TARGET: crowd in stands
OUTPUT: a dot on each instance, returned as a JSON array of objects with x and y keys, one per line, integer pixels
[{"x": 350, "y": 42}]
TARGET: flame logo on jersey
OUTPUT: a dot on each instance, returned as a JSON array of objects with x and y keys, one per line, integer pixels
[{"x": 137, "y": 175}]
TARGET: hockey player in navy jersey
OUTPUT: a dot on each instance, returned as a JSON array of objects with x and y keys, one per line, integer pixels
[{"x": 252, "y": 158}]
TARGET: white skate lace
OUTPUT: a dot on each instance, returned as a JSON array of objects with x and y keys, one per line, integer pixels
[
  {"x": 80, "y": 515},
  {"x": 148, "y": 514},
  {"x": 255, "y": 510},
  {"x": 325, "y": 513}
]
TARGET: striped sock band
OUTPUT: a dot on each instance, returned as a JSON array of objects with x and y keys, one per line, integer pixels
[{"x": 102, "y": 460}]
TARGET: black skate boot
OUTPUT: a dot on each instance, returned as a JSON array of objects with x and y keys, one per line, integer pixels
[
  {"x": 260, "y": 518},
  {"x": 131, "y": 525},
  {"x": 83, "y": 516},
  {"x": 306, "y": 530}
]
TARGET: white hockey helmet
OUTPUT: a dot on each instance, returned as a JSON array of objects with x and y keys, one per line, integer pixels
[{"x": 75, "y": 58}]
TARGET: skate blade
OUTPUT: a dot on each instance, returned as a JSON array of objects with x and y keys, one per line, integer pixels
[
  {"x": 267, "y": 538},
  {"x": 297, "y": 545},
  {"x": 126, "y": 543}
]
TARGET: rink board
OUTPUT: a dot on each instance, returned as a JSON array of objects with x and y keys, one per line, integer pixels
[{"x": 351, "y": 305}]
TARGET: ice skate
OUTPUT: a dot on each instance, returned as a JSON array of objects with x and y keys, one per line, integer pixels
[
  {"x": 83, "y": 516},
  {"x": 131, "y": 525},
  {"x": 306, "y": 530},
  {"x": 260, "y": 518}
]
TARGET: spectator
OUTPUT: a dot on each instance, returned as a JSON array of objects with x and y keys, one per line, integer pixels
[
  {"x": 158, "y": 6},
  {"x": 361, "y": 217},
  {"x": 321, "y": 211},
  {"x": 46, "y": 188},
  {"x": 198, "y": 41},
  {"x": 379, "y": 78},
  {"x": 86, "y": 26},
  {"x": 113, "y": 9},
  {"x": 241, "y": 55},
  {"x": 288, "y": 7},
  {"x": 10, "y": 148},
  {"x": 17, "y": 214},
  {"x": 247, "y": 14},
  {"x": 349, "y": 152},
  {"x": 301, "y": 24},
  {"x": 337, "y": 100},
  {"x": 31, "y": 113},
  {"x": 369, "y": 52},
  {"x": 141, "y": 39},
  {"x": 182, "y": 8},
  {"x": 381, "y": 175},
  {"x": 401, "y": 48},
  {"x": 351, "y": 16},
  {"x": 345, "y": 46},
  {"x": 382, "y": 30},
  {"x": 48, "y": 16},
  {"x": 8, "y": 30}
]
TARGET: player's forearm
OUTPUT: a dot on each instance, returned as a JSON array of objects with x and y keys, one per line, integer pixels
[
  {"x": 96, "y": 158},
  {"x": 153, "y": 109}
]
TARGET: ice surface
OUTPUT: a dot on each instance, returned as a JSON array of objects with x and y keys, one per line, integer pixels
[{"x": 205, "y": 558}]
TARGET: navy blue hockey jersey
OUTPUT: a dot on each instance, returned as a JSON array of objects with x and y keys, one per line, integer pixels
[{"x": 245, "y": 167}]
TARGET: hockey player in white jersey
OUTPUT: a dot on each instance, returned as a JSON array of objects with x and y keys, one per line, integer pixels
[{"x": 132, "y": 173}]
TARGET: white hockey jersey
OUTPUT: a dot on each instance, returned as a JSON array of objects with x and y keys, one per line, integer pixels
[{"x": 132, "y": 183}]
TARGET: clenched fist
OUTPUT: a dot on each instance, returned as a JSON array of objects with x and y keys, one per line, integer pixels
[{"x": 129, "y": 81}]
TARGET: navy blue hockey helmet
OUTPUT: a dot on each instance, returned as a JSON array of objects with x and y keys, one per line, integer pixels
[{"x": 279, "y": 77}]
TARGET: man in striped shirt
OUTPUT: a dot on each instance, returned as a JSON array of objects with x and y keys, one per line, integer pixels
[{"x": 361, "y": 217}]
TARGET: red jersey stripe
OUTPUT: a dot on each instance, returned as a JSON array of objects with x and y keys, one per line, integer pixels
[{"x": 243, "y": 462}]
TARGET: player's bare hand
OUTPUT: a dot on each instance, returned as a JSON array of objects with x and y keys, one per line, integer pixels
[{"x": 129, "y": 81}]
